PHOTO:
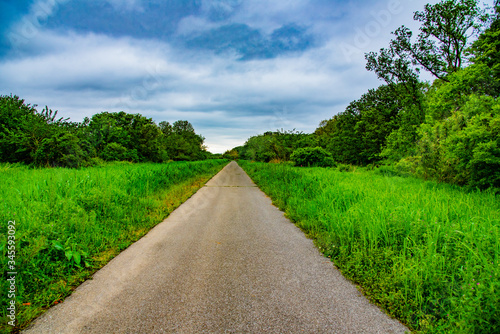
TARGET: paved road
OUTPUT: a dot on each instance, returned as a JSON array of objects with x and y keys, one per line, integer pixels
[{"x": 226, "y": 261}]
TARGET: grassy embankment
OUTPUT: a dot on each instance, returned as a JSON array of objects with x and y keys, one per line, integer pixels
[
  {"x": 69, "y": 223},
  {"x": 428, "y": 253}
]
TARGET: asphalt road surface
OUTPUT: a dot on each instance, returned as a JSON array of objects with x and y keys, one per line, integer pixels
[{"x": 226, "y": 261}]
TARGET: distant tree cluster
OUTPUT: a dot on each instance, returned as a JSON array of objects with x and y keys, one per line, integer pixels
[
  {"x": 448, "y": 130},
  {"x": 41, "y": 139},
  {"x": 275, "y": 146}
]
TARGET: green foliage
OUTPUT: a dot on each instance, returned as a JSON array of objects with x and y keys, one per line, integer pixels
[
  {"x": 111, "y": 133},
  {"x": 457, "y": 143},
  {"x": 312, "y": 157},
  {"x": 434, "y": 131},
  {"x": 392, "y": 65},
  {"x": 464, "y": 148},
  {"x": 259, "y": 148},
  {"x": 357, "y": 135},
  {"x": 486, "y": 50},
  {"x": 116, "y": 152},
  {"x": 23, "y": 129},
  {"x": 428, "y": 253},
  {"x": 71, "y": 222},
  {"x": 445, "y": 97},
  {"x": 439, "y": 48},
  {"x": 446, "y": 28},
  {"x": 40, "y": 139},
  {"x": 71, "y": 252},
  {"x": 182, "y": 143},
  {"x": 277, "y": 145},
  {"x": 231, "y": 154},
  {"x": 338, "y": 136},
  {"x": 440, "y": 100},
  {"x": 60, "y": 150}
]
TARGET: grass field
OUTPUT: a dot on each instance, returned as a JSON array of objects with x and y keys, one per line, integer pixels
[
  {"x": 68, "y": 223},
  {"x": 427, "y": 253}
]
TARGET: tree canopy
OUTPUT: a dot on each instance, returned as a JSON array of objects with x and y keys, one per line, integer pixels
[
  {"x": 439, "y": 48},
  {"x": 40, "y": 138}
]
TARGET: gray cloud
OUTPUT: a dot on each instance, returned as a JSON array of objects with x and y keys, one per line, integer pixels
[
  {"x": 219, "y": 95},
  {"x": 81, "y": 73}
]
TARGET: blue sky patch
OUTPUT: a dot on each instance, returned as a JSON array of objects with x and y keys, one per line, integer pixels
[{"x": 251, "y": 43}]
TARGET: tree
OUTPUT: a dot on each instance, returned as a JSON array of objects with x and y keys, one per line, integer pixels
[
  {"x": 439, "y": 48},
  {"x": 61, "y": 149},
  {"x": 486, "y": 49},
  {"x": 393, "y": 65},
  {"x": 182, "y": 142},
  {"x": 231, "y": 154},
  {"x": 277, "y": 145},
  {"x": 258, "y": 148},
  {"x": 445, "y": 97},
  {"x": 30, "y": 136},
  {"x": 338, "y": 136},
  {"x": 138, "y": 135},
  {"x": 166, "y": 128},
  {"x": 182, "y": 127},
  {"x": 312, "y": 157},
  {"x": 116, "y": 152},
  {"x": 464, "y": 148},
  {"x": 43, "y": 139},
  {"x": 358, "y": 135}
]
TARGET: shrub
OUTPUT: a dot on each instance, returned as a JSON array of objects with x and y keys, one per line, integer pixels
[
  {"x": 464, "y": 148},
  {"x": 114, "y": 151},
  {"x": 60, "y": 150},
  {"x": 231, "y": 155},
  {"x": 312, "y": 157}
]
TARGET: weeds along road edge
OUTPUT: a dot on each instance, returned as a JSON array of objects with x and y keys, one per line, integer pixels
[
  {"x": 70, "y": 223},
  {"x": 427, "y": 253}
]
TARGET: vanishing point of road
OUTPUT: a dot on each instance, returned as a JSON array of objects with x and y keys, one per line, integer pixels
[{"x": 226, "y": 261}]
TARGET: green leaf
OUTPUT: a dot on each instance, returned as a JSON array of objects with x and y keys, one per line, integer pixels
[
  {"x": 57, "y": 245},
  {"x": 69, "y": 254},
  {"x": 77, "y": 257}
]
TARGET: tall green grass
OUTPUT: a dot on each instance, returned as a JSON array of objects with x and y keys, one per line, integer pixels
[
  {"x": 428, "y": 253},
  {"x": 71, "y": 222}
]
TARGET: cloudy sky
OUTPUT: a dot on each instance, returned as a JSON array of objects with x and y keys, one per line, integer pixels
[{"x": 233, "y": 68}]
